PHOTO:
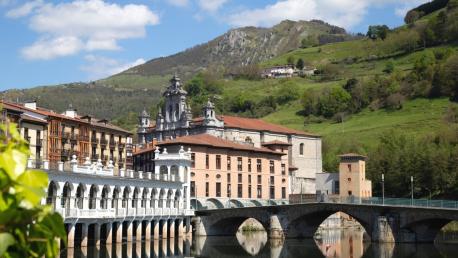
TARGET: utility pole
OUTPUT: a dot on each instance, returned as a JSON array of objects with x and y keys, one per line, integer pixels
[
  {"x": 383, "y": 189},
  {"x": 411, "y": 186}
]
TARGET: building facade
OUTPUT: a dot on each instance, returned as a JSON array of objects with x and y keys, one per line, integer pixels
[
  {"x": 57, "y": 137},
  {"x": 352, "y": 176},
  {"x": 98, "y": 203},
  {"x": 174, "y": 120}
]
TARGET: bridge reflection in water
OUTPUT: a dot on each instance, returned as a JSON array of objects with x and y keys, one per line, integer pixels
[{"x": 340, "y": 243}]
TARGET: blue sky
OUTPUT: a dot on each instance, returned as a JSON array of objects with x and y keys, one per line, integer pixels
[{"x": 51, "y": 42}]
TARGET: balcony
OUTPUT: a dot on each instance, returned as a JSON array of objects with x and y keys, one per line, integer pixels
[
  {"x": 69, "y": 153},
  {"x": 103, "y": 142},
  {"x": 73, "y": 137},
  {"x": 39, "y": 142},
  {"x": 84, "y": 138},
  {"x": 65, "y": 136},
  {"x": 94, "y": 140},
  {"x": 121, "y": 145},
  {"x": 112, "y": 144}
]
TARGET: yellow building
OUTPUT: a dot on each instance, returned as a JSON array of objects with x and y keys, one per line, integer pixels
[{"x": 352, "y": 176}]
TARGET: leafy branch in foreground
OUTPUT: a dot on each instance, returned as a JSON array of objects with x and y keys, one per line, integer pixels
[{"x": 27, "y": 228}]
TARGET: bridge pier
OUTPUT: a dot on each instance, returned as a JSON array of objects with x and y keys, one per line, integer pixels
[
  {"x": 382, "y": 232},
  {"x": 129, "y": 231},
  {"x": 97, "y": 234},
  {"x": 118, "y": 229},
  {"x": 156, "y": 229},
  {"x": 148, "y": 230},
  {"x": 71, "y": 235},
  {"x": 84, "y": 233},
  {"x": 164, "y": 229},
  {"x": 172, "y": 228},
  {"x": 276, "y": 230},
  {"x": 109, "y": 233}
]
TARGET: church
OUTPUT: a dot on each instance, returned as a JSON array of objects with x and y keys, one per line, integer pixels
[{"x": 174, "y": 121}]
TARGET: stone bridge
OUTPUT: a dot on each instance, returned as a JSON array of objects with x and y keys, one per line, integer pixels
[{"x": 383, "y": 223}]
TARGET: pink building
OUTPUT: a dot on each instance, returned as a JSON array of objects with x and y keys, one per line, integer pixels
[{"x": 234, "y": 174}]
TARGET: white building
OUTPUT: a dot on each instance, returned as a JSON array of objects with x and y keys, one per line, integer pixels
[
  {"x": 175, "y": 120},
  {"x": 98, "y": 203}
]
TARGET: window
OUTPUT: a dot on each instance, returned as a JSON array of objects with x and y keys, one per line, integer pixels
[
  {"x": 193, "y": 160},
  {"x": 283, "y": 192},
  {"x": 249, "y": 191},
  {"x": 228, "y": 163},
  {"x": 283, "y": 169},
  {"x": 259, "y": 191},
  {"x": 228, "y": 190},
  {"x": 228, "y": 178},
  {"x": 239, "y": 190},
  {"x": 259, "y": 180},
  {"x": 349, "y": 193},
  {"x": 240, "y": 178},
  {"x": 272, "y": 192},
  {"x": 249, "y": 165},
  {"x": 26, "y": 134},
  {"x": 218, "y": 161},
  {"x": 272, "y": 166},
  {"x": 349, "y": 167},
  {"x": 193, "y": 189},
  {"x": 272, "y": 180},
  {"x": 239, "y": 164},
  {"x": 336, "y": 187},
  {"x": 349, "y": 179},
  {"x": 258, "y": 165},
  {"x": 249, "y": 179},
  {"x": 218, "y": 189},
  {"x": 207, "y": 189},
  {"x": 207, "y": 161},
  {"x": 248, "y": 140},
  {"x": 301, "y": 149}
]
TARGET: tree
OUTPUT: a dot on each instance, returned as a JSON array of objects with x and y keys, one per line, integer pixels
[
  {"x": 300, "y": 64},
  {"x": 290, "y": 60},
  {"x": 377, "y": 32},
  {"x": 451, "y": 77},
  {"x": 411, "y": 16},
  {"x": 332, "y": 101},
  {"x": 389, "y": 67},
  {"x": 27, "y": 229}
]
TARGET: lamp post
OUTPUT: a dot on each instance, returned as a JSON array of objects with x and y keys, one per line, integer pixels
[
  {"x": 383, "y": 189},
  {"x": 301, "y": 191},
  {"x": 411, "y": 187}
]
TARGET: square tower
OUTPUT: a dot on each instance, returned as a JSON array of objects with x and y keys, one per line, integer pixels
[{"x": 352, "y": 176}]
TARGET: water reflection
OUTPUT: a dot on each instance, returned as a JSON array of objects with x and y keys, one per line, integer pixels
[{"x": 331, "y": 243}]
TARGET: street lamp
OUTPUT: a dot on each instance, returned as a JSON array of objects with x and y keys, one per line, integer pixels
[
  {"x": 301, "y": 190},
  {"x": 411, "y": 187},
  {"x": 383, "y": 189}
]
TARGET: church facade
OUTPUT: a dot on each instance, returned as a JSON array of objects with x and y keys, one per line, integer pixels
[{"x": 175, "y": 120}]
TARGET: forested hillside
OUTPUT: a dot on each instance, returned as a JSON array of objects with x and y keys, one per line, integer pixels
[{"x": 392, "y": 96}]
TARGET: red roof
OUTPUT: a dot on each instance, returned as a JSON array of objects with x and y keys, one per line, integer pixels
[
  {"x": 276, "y": 142},
  {"x": 215, "y": 142},
  {"x": 260, "y": 125}
]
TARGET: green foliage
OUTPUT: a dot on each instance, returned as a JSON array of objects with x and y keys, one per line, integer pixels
[
  {"x": 290, "y": 60},
  {"x": 27, "y": 228},
  {"x": 378, "y": 32},
  {"x": 309, "y": 41},
  {"x": 286, "y": 93},
  {"x": 389, "y": 67},
  {"x": 300, "y": 64},
  {"x": 433, "y": 166},
  {"x": 424, "y": 9}
]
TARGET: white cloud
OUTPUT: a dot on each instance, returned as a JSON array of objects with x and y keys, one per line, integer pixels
[
  {"x": 99, "y": 67},
  {"x": 345, "y": 13},
  {"x": 46, "y": 49},
  {"x": 95, "y": 24},
  {"x": 211, "y": 5},
  {"x": 24, "y": 9},
  {"x": 179, "y": 3}
]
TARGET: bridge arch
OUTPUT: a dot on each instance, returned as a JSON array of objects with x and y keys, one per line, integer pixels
[
  {"x": 306, "y": 224},
  {"x": 229, "y": 226},
  {"x": 213, "y": 203},
  {"x": 256, "y": 203},
  {"x": 236, "y": 203}
]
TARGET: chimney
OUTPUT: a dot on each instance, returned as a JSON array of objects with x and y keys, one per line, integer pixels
[
  {"x": 70, "y": 112},
  {"x": 31, "y": 105}
]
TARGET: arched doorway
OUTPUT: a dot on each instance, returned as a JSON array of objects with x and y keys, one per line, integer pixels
[
  {"x": 125, "y": 197},
  {"x": 80, "y": 190},
  {"x": 52, "y": 194},
  {"x": 93, "y": 196},
  {"x": 154, "y": 197},
  {"x": 144, "y": 197},
  {"x": 162, "y": 198},
  {"x": 169, "y": 199},
  {"x": 174, "y": 173},
  {"x": 114, "y": 200},
  {"x": 135, "y": 197},
  {"x": 104, "y": 197},
  {"x": 177, "y": 200},
  {"x": 163, "y": 170},
  {"x": 66, "y": 196}
]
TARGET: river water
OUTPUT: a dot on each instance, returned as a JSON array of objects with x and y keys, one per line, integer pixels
[{"x": 347, "y": 243}]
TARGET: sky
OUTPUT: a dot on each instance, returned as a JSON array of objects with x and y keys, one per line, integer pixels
[{"x": 52, "y": 42}]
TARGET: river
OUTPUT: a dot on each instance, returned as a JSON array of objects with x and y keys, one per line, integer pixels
[{"x": 347, "y": 243}]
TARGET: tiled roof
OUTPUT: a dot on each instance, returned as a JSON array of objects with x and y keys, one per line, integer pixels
[
  {"x": 50, "y": 113},
  {"x": 255, "y": 125},
  {"x": 215, "y": 142},
  {"x": 352, "y": 156},
  {"x": 144, "y": 150},
  {"x": 33, "y": 119},
  {"x": 276, "y": 142}
]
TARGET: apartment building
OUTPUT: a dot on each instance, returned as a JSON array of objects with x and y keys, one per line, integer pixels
[{"x": 57, "y": 137}]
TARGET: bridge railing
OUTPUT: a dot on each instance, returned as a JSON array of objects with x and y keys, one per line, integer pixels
[{"x": 448, "y": 204}]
